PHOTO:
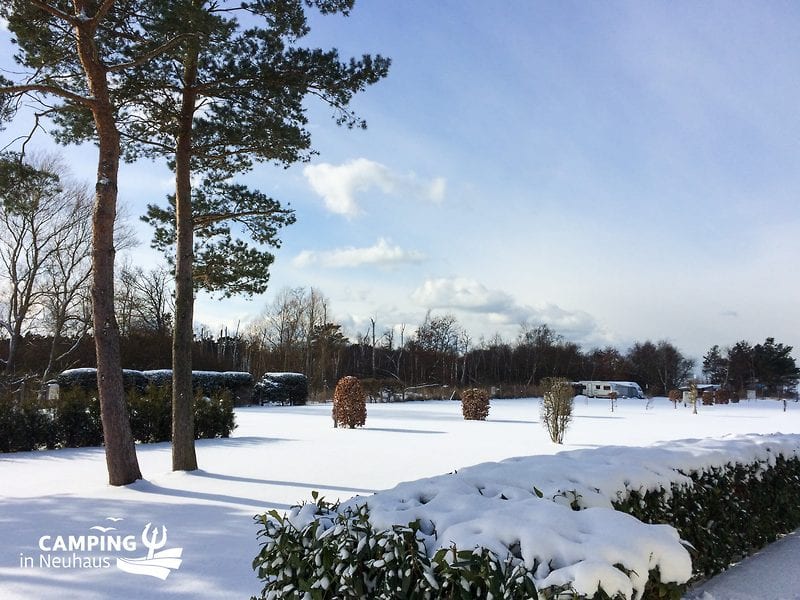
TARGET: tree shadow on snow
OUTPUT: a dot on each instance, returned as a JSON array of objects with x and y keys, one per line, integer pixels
[
  {"x": 314, "y": 486},
  {"x": 397, "y": 430}
]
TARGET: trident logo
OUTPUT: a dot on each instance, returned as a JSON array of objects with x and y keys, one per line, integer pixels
[
  {"x": 155, "y": 564},
  {"x": 153, "y": 543}
]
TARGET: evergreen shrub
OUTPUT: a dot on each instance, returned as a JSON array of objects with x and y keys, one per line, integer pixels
[
  {"x": 73, "y": 421},
  {"x": 475, "y": 404},
  {"x": 151, "y": 413},
  {"x": 725, "y": 514},
  {"x": 281, "y": 388},
  {"x": 728, "y": 513},
  {"x": 24, "y": 425},
  {"x": 77, "y": 419},
  {"x": 213, "y": 415}
]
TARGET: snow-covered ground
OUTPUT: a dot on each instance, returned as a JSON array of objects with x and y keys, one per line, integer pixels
[{"x": 277, "y": 456}]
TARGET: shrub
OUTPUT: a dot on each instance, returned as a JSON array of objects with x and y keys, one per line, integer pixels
[
  {"x": 151, "y": 413},
  {"x": 74, "y": 420},
  {"x": 475, "y": 404},
  {"x": 728, "y": 512},
  {"x": 213, "y": 415},
  {"x": 675, "y": 397},
  {"x": 24, "y": 424},
  {"x": 724, "y": 510},
  {"x": 556, "y": 407},
  {"x": 77, "y": 419},
  {"x": 349, "y": 403},
  {"x": 708, "y": 398},
  {"x": 722, "y": 397},
  {"x": 281, "y": 388},
  {"x": 355, "y": 561}
]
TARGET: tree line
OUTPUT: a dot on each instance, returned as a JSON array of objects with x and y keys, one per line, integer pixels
[{"x": 297, "y": 332}]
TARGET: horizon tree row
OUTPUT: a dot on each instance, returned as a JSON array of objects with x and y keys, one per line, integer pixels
[{"x": 297, "y": 333}]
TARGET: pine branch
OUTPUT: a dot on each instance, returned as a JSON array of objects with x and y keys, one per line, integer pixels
[
  {"x": 47, "y": 89},
  {"x": 149, "y": 55},
  {"x": 51, "y": 10},
  {"x": 212, "y": 218},
  {"x": 102, "y": 11}
]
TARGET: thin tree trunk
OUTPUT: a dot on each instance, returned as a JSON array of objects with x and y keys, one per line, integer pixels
[
  {"x": 123, "y": 466},
  {"x": 184, "y": 457}
]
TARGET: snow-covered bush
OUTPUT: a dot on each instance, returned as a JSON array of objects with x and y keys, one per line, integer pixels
[
  {"x": 281, "y": 388},
  {"x": 238, "y": 383},
  {"x": 556, "y": 407},
  {"x": 728, "y": 511},
  {"x": 73, "y": 420},
  {"x": 349, "y": 403},
  {"x": 475, "y": 404},
  {"x": 213, "y": 415},
  {"x": 541, "y": 521},
  {"x": 86, "y": 378}
]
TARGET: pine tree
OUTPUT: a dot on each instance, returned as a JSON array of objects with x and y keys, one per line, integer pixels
[
  {"x": 225, "y": 97},
  {"x": 69, "y": 52}
]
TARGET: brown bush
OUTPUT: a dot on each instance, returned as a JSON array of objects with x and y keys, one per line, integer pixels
[
  {"x": 675, "y": 396},
  {"x": 349, "y": 403},
  {"x": 708, "y": 397},
  {"x": 475, "y": 404},
  {"x": 722, "y": 397}
]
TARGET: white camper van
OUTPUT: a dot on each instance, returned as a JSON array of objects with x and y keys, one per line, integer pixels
[{"x": 603, "y": 389}]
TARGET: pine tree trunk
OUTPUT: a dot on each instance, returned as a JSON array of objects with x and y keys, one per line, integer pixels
[
  {"x": 184, "y": 457},
  {"x": 123, "y": 466}
]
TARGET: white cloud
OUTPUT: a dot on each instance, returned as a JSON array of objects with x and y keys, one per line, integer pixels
[
  {"x": 497, "y": 308},
  {"x": 338, "y": 185},
  {"x": 382, "y": 253},
  {"x": 463, "y": 294}
]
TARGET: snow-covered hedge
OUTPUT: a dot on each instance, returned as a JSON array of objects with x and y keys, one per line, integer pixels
[
  {"x": 543, "y": 522},
  {"x": 281, "y": 388},
  {"x": 238, "y": 383},
  {"x": 73, "y": 419}
]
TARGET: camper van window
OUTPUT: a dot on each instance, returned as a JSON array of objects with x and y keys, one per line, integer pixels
[{"x": 606, "y": 387}]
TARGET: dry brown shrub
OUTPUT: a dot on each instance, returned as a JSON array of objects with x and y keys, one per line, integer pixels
[
  {"x": 708, "y": 397},
  {"x": 556, "y": 407},
  {"x": 349, "y": 403},
  {"x": 475, "y": 404},
  {"x": 722, "y": 397}
]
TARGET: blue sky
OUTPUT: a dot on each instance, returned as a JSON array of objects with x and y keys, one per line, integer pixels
[{"x": 620, "y": 170}]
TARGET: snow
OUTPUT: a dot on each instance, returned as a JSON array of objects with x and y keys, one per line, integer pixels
[{"x": 278, "y": 455}]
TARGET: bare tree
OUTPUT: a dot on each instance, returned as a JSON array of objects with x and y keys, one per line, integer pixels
[
  {"x": 44, "y": 250},
  {"x": 65, "y": 295},
  {"x": 145, "y": 300}
]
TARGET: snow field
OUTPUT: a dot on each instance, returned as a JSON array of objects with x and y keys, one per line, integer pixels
[{"x": 275, "y": 458}]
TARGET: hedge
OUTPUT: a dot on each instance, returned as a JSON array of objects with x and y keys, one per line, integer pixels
[
  {"x": 281, "y": 388},
  {"x": 238, "y": 383},
  {"x": 73, "y": 421},
  {"x": 723, "y": 509}
]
